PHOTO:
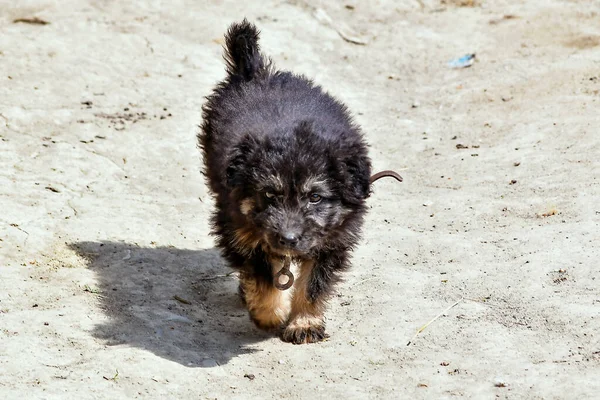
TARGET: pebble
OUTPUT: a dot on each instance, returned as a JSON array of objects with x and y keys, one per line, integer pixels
[{"x": 499, "y": 382}]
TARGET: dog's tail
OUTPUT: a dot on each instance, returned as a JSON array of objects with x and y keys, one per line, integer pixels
[{"x": 242, "y": 53}]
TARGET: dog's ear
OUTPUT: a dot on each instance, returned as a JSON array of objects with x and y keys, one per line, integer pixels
[
  {"x": 357, "y": 171},
  {"x": 237, "y": 166}
]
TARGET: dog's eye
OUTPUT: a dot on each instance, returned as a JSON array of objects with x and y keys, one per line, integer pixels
[
  {"x": 269, "y": 195},
  {"x": 314, "y": 198}
]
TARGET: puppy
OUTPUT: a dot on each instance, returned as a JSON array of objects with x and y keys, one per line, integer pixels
[{"x": 289, "y": 172}]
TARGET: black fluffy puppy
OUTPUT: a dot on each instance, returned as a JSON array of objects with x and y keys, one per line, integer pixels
[{"x": 289, "y": 171}]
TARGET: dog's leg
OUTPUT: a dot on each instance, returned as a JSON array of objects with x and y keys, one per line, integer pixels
[
  {"x": 311, "y": 291},
  {"x": 269, "y": 307}
]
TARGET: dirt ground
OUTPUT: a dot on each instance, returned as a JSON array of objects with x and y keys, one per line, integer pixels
[{"x": 104, "y": 211}]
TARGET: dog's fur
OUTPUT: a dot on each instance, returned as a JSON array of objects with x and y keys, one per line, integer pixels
[{"x": 289, "y": 172}]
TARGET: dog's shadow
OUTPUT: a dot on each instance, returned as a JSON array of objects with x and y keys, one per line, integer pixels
[{"x": 178, "y": 304}]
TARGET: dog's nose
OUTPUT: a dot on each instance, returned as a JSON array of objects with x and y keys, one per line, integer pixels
[{"x": 289, "y": 239}]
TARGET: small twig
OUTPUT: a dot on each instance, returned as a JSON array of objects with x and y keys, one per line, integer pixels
[
  {"x": 52, "y": 189},
  {"x": 430, "y": 322},
  {"x": 72, "y": 208},
  {"x": 182, "y": 300},
  {"x": 17, "y": 226},
  {"x": 212, "y": 278},
  {"x": 483, "y": 301},
  {"x": 114, "y": 378},
  {"x": 149, "y": 45},
  {"x": 342, "y": 30},
  {"x": 9, "y": 126},
  {"x": 363, "y": 281},
  {"x": 32, "y": 21},
  {"x": 93, "y": 290},
  {"x": 106, "y": 157}
]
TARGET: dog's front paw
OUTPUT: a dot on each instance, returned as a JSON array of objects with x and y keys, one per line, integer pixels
[{"x": 304, "y": 330}]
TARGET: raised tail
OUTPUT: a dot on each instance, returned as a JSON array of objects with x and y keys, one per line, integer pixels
[{"x": 242, "y": 52}]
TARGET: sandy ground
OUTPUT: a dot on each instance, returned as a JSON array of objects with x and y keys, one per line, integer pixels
[{"x": 104, "y": 212}]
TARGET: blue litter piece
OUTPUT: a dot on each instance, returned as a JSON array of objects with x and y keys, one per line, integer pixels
[{"x": 462, "y": 62}]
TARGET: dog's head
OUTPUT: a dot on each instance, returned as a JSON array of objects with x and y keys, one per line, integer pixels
[{"x": 299, "y": 192}]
